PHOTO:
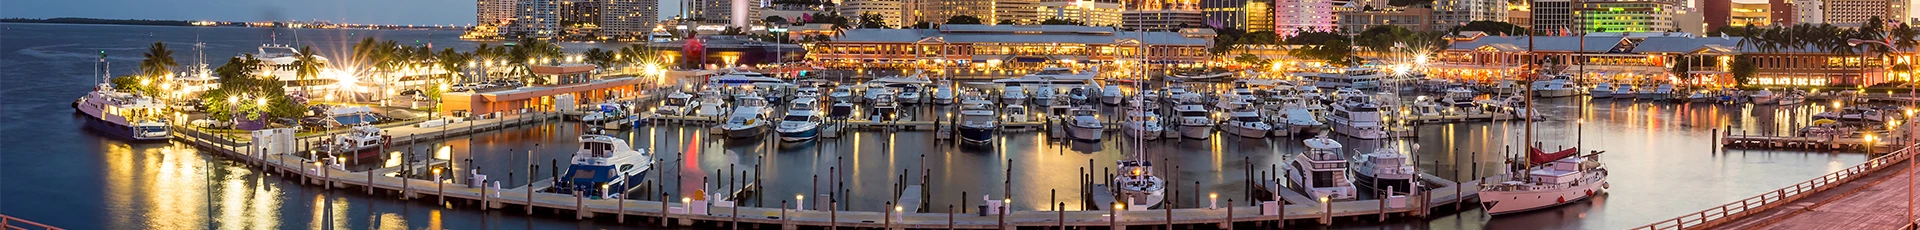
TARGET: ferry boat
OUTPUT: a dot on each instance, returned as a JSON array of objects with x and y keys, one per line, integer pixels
[
  {"x": 124, "y": 115},
  {"x": 1111, "y": 95},
  {"x": 358, "y": 140},
  {"x": 1085, "y": 124},
  {"x": 604, "y": 167},
  {"x": 1357, "y": 117},
  {"x": 977, "y": 121},
  {"x": 677, "y": 104},
  {"x": 748, "y": 119},
  {"x": 1601, "y": 91},
  {"x": 1139, "y": 188},
  {"x": 943, "y": 93},
  {"x": 1320, "y": 172},
  {"x": 1194, "y": 121},
  {"x": 1246, "y": 122},
  {"x": 1551, "y": 179},
  {"x": 1384, "y": 168},
  {"x": 802, "y": 122}
]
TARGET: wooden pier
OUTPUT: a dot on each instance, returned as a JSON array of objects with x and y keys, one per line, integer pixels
[{"x": 1852, "y": 198}]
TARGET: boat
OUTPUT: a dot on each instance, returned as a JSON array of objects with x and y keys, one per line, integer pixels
[
  {"x": 1601, "y": 91},
  {"x": 677, "y": 104},
  {"x": 1052, "y": 75},
  {"x": 1111, "y": 95},
  {"x": 1017, "y": 113},
  {"x": 1143, "y": 123},
  {"x": 1230, "y": 102},
  {"x": 748, "y": 119},
  {"x": 1700, "y": 96},
  {"x": 1384, "y": 169},
  {"x": 1791, "y": 99},
  {"x": 1194, "y": 121},
  {"x": 1320, "y": 172},
  {"x": 1078, "y": 95},
  {"x": 807, "y": 92},
  {"x": 1013, "y": 94},
  {"x": 745, "y": 78},
  {"x": 874, "y": 93},
  {"x": 943, "y": 93},
  {"x": 1506, "y": 87},
  {"x": 977, "y": 121},
  {"x": 884, "y": 108},
  {"x": 1458, "y": 97},
  {"x": 909, "y": 94},
  {"x": 1357, "y": 117},
  {"x": 1659, "y": 93},
  {"x": 840, "y": 110},
  {"x": 606, "y": 112},
  {"x": 124, "y": 115},
  {"x": 841, "y": 93},
  {"x": 1201, "y": 76},
  {"x": 1085, "y": 124},
  {"x": 1361, "y": 78},
  {"x": 1300, "y": 118},
  {"x": 1550, "y": 179},
  {"x": 1854, "y": 114},
  {"x": 802, "y": 122},
  {"x": 1139, "y": 188},
  {"x": 1246, "y": 122},
  {"x": 359, "y": 139},
  {"x": 710, "y": 104},
  {"x": 278, "y": 60},
  {"x": 604, "y": 168},
  {"x": 1624, "y": 91},
  {"x": 1046, "y": 95},
  {"x": 1177, "y": 93},
  {"x": 1765, "y": 97},
  {"x": 1555, "y": 87}
]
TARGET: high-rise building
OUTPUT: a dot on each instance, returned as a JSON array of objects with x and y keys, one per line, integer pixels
[
  {"x": 1295, "y": 16},
  {"x": 1751, "y": 14},
  {"x": 1782, "y": 12},
  {"x": 1015, "y": 11},
  {"x": 734, "y": 13},
  {"x": 889, "y": 10},
  {"x": 1520, "y": 14},
  {"x": 1411, "y": 18},
  {"x": 1450, "y": 13},
  {"x": 946, "y": 9},
  {"x": 1716, "y": 13},
  {"x": 1851, "y": 13},
  {"x": 535, "y": 18},
  {"x": 1808, "y": 12},
  {"x": 1160, "y": 20},
  {"x": 622, "y": 18},
  {"x": 1260, "y": 15},
  {"x": 1552, "y": 16},
  {"x": 1556, "y": 16},
  {"x": 1089, "y": 12},
  {"x": 493, "y": 11},
  {"x": 1225, "y": 13}
]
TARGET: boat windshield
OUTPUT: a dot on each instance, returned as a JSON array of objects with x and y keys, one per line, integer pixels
[
  {"x": 1193, "y": 113},
  {"x": 796, "y": 118},
  {"x": 1247, "y": 119},
  {"x": 597, "y": 149},
  {"x": 676, "y": 101}
]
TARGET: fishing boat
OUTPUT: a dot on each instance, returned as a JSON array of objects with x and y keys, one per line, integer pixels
[
  {"x": 1194, "y": 121},
  {"x": 1384, "y": 168},
  {"x": 1320, "y": 172},
  {"x": 1601, "y": 91},
  {"x": 604, "y": 168},
  {"x": 1085, "y": 124},
  {"x": 749, "y": 118},
  {"x": 977, "y": 121},
  {"x": 1246, "y": 122},
  {"x": 1111, "y": 95},
  {"x": 802, "y": 122},
  {"x": 1357, "y": 117},
  {"x": 1139, "y": 188}
]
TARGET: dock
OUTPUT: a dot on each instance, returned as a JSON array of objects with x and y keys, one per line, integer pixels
[{"x": 1865, "y": 196}]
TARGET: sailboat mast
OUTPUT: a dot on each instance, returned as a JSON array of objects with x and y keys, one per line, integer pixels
[{"x": 1527, "y": 109}]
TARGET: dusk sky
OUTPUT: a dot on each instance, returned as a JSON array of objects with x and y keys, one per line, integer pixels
[{"x": 459, "y": 12}]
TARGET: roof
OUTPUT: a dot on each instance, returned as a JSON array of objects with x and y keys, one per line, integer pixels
[
  {"x": 1604, "y": 44},
  {"x": 1685, "y": 44}
]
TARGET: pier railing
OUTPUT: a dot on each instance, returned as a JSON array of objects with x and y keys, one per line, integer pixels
[
  {"x": 11, "y": 223},
  {"x": 1731, "y": 211}
]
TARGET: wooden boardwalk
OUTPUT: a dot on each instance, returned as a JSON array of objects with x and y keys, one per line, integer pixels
[
  {"x": 1865, "y": 196},
  {"x": 703, "y": 213}
]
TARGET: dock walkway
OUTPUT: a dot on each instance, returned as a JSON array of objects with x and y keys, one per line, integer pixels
[{"x": 1860, "y": 197}]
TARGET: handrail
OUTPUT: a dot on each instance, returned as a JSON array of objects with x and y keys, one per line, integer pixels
[
  {"x": 1760, "y": 202},
  {"x": 9, "y": 221}
]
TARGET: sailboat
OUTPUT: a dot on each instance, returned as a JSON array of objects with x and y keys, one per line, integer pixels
[{"x": 1548, "y": 179}]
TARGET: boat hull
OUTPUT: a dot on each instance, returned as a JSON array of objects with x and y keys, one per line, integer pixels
[
  {"x": 1600, "y": 94},
  {"x": 1085, "y": 133},
  {"x": 1196, "y": 131},
  {"x": 1248, "y": 132},
  {"x": 1506, "y": 202},
  {"x": 1553, "y": 93},
  {"x": 1369, "y": 133},
  {"x": 798, "y": 135},
  {"x": 122, "y": 132},
  {"x": 1379, "y": 184},
  {"x": 745, "y": 132},
  {"x": 1110, "y": 100},
  {"x": 976, "y": 135}
]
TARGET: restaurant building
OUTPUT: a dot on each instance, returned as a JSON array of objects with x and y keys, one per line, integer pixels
[
  {"x": 554, "y": 88},
  {"x": 1008, "y": 46}
]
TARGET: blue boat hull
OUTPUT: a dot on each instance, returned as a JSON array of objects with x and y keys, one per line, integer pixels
[
  {"x": 976, "y": 135},
  {"x": 802, "y": 135},
  {"x": 591, "y": 186},
  {"x": 115, "y": 130}
]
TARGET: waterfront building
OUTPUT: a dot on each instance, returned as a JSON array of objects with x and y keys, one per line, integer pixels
[
  {"x": 1450, "y": 13},
  {"x": 1007, "y": 46},
  {"x": 1851, "y": 13},
  {"x": 1751, "y": 14},
  {"x": 1808, "y": 12},
  {"x": 1411, "y": 18},
  {"x": 1815, "y": 66},
  {"x": 1090, "y": 12},
  {"x": 579, "y": 19},
  {"x": 628, "y": 18},
  {"x": 1619, "y": 57},
  {"x": 493, "y": 12},
  {"x": 1295, "y": 16},
  {"x": 888, "y": 10},
  {"x": 1015, "y": 11},
  {"x": 556, "y": 87},
  {"x": 536, "y": 18}
]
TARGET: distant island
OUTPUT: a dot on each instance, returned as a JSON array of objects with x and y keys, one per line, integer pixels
[{"x": 102, "y": 21}]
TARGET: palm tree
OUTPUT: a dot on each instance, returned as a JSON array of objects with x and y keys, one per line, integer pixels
[
  {"x": 522, "y": 53},
  {"x": 306, "y": 66},
  {"x": 599, "y": 57},
  {"x": 453, "y": 62},
  {"x": 159, "y": 60}
]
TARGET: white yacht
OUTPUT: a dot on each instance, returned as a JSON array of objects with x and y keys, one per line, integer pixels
[
  {"x": 1111, "y": 95},
  {"x": 358, "y": 140},
  {"x": 1659, "y": 93},
  {"x": 604, "y": 168},
  {"x": 710, "y": 104},
  {"x": 1320, "y": 172},
  {"x": 1085, "y": 124},
  {"x": 1013, "y": 94},
  {"x": 977, "y": 121},
  {"x": 278, "y": 61},
  {"x": 1052, "y": 75},
  {"x": 1143, "y": 123},
  {"x": 1357, "y": 117},
  {"x": 1361, "y": 78},
  {"x": 884, "y": 108},
  {"x": 1791, "y": 99},
  {"x": 802, "y": 122},
  {"x": 677, "y": 104},
  {"x": 1558, "y": 86},
  {"x": 910, "y": 94},
  {"x": 1300, "y": 117},
  {"x": 1178, "y": 93},
  {"x": 1458, "y": 97},
  {"x": 874, "y": 93},
  {"x": 1139, "y": 188},
  {"x": 943, "y": 93},
  {"x": 1246, "y": 122},
  {"x": 1624, "y": 91},
  {"x": 807, "y": 92},
  {"x": 1854, "y": 114},
  {"x": 1017, "y": 113},
  {"x": 1046, "y": 95},
  {"x": 1551, "y": 179},
  {"x": 124, "y": 115},
  {"x": 1699, "y": 96},
  {"x": 1765, "y": 97},
  {"x": 1384, "y": 168},
  {"x": 1195, "y": 121},
  {"x": 1601, "y": 91},
  {"x": 841, "y": 93},
  {"x": 749, "y": 118}
]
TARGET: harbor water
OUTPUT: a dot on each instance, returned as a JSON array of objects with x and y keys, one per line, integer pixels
[{"x": 53, "y": 170}]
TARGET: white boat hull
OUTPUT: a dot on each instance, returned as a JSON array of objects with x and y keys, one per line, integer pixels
[
  {"x": 746, "y": 132},
  {"x": 1600, "y": 94},
  {"x": 1085, "y": 133},
  {"x": 1110, "y": 100},
  {"x": 1369, "y": 133},
  {"x": 1196, "y": 131},
  {"x": 1553, "y": 93},
  {"x": 1144, "y": 133},
  {"x": 1248, "y": 132},
  {"x": 1505, "y": 202}
]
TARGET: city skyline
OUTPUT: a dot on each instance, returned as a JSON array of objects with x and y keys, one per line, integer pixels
[{"x": 425, "y": 12}]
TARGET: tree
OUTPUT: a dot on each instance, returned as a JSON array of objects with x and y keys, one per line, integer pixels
[
  {"x": 158, "y": 60},
  {"x": 963, "y": 19},
  {"x": 1333, "y": 52},
  {"x": 872, "y": 20},
  {"x": 1743, "y": 69},
  {"x": 305, "y": 66},
  {"x": 453, "y": 62},
  {"x": 1250, "y": 59},
  {"x": 1492, "y": 28},
  {"x": 1057, "y": 21},
  {"x": 1005, "y": 22}
]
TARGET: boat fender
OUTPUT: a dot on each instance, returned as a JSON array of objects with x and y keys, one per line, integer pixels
[
  {"x": 1606, "y": 185},
  {"x": 1562, "y": 200},
  {"x": 1589, "y": 192}
]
